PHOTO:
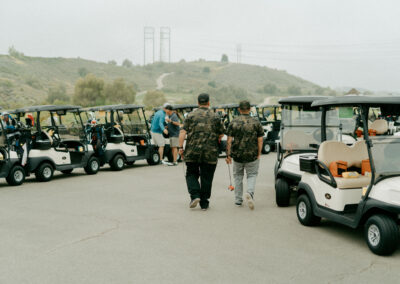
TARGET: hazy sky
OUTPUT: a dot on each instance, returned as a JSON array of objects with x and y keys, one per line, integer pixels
[{"x": 330, "y": 42}]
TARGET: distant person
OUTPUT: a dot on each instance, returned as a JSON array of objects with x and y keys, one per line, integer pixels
[
  {"x": 204, "y": 130},
  {"x": 8, "y": 122},
  {"x": 158, "y": 128},
  {"x": 173, "y": 131},
  {"x": 244, "y": 144}
]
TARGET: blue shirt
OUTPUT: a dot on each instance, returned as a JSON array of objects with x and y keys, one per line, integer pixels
[{"x": 157, "y": 124}]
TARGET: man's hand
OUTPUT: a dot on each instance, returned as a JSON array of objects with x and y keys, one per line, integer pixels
[
  {"x": 168, "y": 120},
  {"x": 181, "y": 152},
  {"x": 228, "y": 160},
  {"x": 258, "y": 156},
  {"x": 165, "y": 131}
]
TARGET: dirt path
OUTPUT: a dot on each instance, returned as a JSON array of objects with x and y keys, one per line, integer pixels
[{"x": 160, "y": 79}]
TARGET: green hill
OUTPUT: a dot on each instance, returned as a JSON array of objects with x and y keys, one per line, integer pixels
[{"x": 26, "y": 80}]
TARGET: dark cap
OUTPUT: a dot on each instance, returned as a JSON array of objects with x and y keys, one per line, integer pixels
[
  {"x": 203, "y": 99},
  {"x": 244, "y": 105},
  {"x": 167, "y": 106}
]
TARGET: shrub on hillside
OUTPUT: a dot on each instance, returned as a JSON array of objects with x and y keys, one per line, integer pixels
[
  {"x": 15, "y": 53},
  {"x": 206, "y": 69},
  {"x": 83, "y": 71},
  {"x": 112, "y": 62},
  {"x": 119, "y": 92},
  {"x": 294, "y": 90},
  {"x": 58, "y": 95},
  {"x": 224, "y": 58},
  {"x": 212, "y": 84},
  {"x": 154, "y": 99},
  {"x": 89, "y": 91},
  {"x": 127, "y": 63},
  {"x": 34, "y": 83}
]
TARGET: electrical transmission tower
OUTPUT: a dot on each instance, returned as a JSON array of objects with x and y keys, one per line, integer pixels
[
  {"x": 165, "y": 44},
  {"x": 238, "y": 53},
  {"x": 148, "y": 40}
]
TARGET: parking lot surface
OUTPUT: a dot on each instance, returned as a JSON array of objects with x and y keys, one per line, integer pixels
[{"x": 135, "y": 226}]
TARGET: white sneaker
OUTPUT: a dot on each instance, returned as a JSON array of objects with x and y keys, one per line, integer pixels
[
  {"x": 194, "y": 202},
  {"x": 166, "y": 163},
  {"x": 250, "y": 201}
]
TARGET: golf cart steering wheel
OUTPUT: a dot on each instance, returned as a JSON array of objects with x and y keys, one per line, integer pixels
[{"x": 317, "y": 134}]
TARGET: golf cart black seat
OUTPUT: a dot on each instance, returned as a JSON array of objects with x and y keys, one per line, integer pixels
[
  {"x": 331, "y": 151},
  {"x": 115, "y": 135},
  {"x": 43, "y": 141}
]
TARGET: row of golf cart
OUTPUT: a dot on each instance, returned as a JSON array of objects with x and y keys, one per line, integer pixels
[
  {"x": 44, "y": 139},
  {"x": 340, "y": 158}
]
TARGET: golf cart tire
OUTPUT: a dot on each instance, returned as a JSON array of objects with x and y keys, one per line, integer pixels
[
  {"x": 388, "y": 234},
  {"x": 266, "y": 148},
  {"x": 282, "y": 192},
  {"x": 117, "y": 163},
  {"x": 67, "y": 172},
  {"x": 154, "y": 158},
  {"x": 90, "y": 168},
  {"x": 14, "y": 177},
  {"x": 305, "y": 212},
  {"x": 44, "y": 172}
]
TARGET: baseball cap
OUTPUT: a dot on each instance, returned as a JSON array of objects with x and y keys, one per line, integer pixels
[{"x": 167, "y": 106}]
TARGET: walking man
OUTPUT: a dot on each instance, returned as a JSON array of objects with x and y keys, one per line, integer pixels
[
  {"x": 173, "y": 131},
  {"x": 203, "y": 130},
  {"x": 245, "y": 149},
  {"x": 158, "y": 128}
]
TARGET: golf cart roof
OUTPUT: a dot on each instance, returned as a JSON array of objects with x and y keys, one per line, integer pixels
[
  {"x": 178, "y": 106},
  {"x": 46, "y": 108},
  {"x": 301, "y": 100},
  {"x": 225, "y": 106},
  {"x": 113, "y": 107},
  {"x": 357, "y": 101}
]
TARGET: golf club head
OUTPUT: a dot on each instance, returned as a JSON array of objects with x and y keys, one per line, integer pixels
[{"x": 231, "y": 187}]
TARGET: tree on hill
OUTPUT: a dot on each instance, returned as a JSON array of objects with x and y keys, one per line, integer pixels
[
  {"x": 89, "y": 91},
  {"x": 294, "y": 90},
  {"x": 119, "y": 92},
  {"x": 82, "y": 71},
  {"x": 224, "y": 58},
  {"x": 353, "y": 91},
  {"x": 270, "y": 89},
  {"x": 127, "y": 63},
  {"x": 154, "y": 99},
  {"x": 112, "y": 62},
  {"x": 57, "y": 95},
  {"x": 15, "y": 53}
]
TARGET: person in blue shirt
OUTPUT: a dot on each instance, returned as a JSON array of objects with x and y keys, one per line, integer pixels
[{"x": 158, "y": 127}]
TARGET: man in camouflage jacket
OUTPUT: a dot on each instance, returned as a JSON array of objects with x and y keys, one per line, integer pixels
[
  {"x": 203, "y": 131},
  {"x": 247, "y": 135}
]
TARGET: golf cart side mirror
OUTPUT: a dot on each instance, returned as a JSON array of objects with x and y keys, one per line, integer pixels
[{"x": 327, "y": 177}]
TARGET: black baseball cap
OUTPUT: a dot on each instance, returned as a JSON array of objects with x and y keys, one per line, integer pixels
[{"x": 203, "y": 98}]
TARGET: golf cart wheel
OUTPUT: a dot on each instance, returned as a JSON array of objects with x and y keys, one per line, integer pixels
[
  {"x": 16, "y": 176},
  {"x": 381, "y": 234},
  {"x": 117, "y": 163},
  {"x": 266, "y": 148},
  {"x": 154, "y": 158},
  {"x": 67, "y": 172},
  {"x": 282, "y": 192},
  {"x": 92, "y": 166},
  {"x": 45, "y": 172},
  {"x": 131, "y": 163},
  {"x": 305, "y": 212}
]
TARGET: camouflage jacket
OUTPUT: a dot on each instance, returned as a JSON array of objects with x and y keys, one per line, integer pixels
[
  {"x": 203, "y": 128},
  {"x": 245, "y": 131}
]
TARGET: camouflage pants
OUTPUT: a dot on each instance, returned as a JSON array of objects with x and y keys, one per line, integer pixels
[{"x": 251, "y": 169}]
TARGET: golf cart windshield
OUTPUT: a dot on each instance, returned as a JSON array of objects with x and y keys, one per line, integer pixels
[
  {"x": 67, "y": 124},
  {"x": 268, "y": 113},
  {"x": 132, "y": 121},
  {"x": 302, "y": 127}
]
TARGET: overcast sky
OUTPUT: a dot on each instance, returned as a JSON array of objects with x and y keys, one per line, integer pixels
[{"x": 330, "y": 42}]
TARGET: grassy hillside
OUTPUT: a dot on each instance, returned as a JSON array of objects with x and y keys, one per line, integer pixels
[{"x": 26, "y": 80}]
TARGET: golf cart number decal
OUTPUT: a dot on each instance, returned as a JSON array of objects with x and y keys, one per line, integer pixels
[{"x": 328, "y": 196}]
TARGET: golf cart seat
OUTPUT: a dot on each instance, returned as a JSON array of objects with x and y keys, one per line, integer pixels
[
  {"x": 380, "y": 126},
  {"x": 116, "y": 135},
  {"x": 331, "y": 151}
]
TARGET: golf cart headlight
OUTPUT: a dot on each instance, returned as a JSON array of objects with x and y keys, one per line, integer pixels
[{"x": 1, "y": 157}]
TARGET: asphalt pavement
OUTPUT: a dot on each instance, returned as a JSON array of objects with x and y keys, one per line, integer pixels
[{"x": 135, "y": 226}]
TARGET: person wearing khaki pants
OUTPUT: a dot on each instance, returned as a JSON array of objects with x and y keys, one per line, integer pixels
[{"x": 244, "y": 144}]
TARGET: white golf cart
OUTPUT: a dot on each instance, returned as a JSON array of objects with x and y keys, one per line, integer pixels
[
  {"x": 10, "y": 163},
  {"x": 368, "y": 192},
  {"x": 300, "y": 134},
  {"x": 58, "y": 141},
  {"x": 127, "y": 135},
  {"x": 227, "y": 112},
  {"x": 270, "y": 118}
]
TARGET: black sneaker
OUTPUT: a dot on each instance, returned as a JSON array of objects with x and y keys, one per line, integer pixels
[
  {"x": 238, "y": 204},
  {"x": 194, "y": 202}
]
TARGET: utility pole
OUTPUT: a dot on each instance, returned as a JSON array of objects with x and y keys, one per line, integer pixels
[
  {"x": 238, "y": 53},
  {"x": 148, "y": 38},
  {"x": 165, "y": 43}
]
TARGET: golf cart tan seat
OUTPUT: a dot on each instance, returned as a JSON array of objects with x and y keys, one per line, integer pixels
[
  {"x": 331, "y": 151},
  {"x": 380, "y": 126}
]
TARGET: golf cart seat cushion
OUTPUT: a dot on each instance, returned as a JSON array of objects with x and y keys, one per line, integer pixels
[
  {"x": 330, "y": 151},
  {"x": 380, "y": 126},
  {"x": 344, "y": 183}
]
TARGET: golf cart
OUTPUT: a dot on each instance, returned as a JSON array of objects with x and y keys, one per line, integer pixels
[
  {"x": 355, "y": 185},
  {"x": 127, "y": 135},
  {"x": 58, "y": 141},
  {"x": 270, "y": 118},
  {"x": 227, "y": 112},
  {"x": 182, "y": 110},
  {"x": 10, "y": 163}
]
